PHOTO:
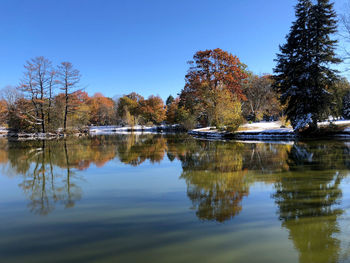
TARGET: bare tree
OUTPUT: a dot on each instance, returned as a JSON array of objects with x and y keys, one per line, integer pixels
[
  {"x": 68, "y": 80},
  {"x": 37, "y": 81},
  {"x": 51, "y": 85},
  {"x": 10, "y": 94},
  {"x": 262, "y": 100}
]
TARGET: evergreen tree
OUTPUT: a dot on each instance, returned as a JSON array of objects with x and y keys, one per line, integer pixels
[
  {"x": 303, "y": 73},
  {"x": 346, "y": 105},
  {"x": 169, "y": 100}
]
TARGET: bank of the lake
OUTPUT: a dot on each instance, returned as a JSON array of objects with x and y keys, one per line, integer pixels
[
  {"x": 274, "y": 131},
  {"x": 264, "y": 131}
]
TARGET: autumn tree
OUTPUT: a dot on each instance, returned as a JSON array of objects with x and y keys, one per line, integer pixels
[
  {"x": 228, "y": 110},
  {"x": 3, "y": 112},
  {"x": 79, "y": 116},
  {"x": 8, "y": 98},
  {"x": 153, "y": 110},
  {"x": 177, "y": 114},
  {"x": 101, "y": 110},
  {"x": 128, "y": 108},
  {"x": 68, "y": 80},
  {"x": 209, "y": 72},
  {"x": 171, "y": 111}
]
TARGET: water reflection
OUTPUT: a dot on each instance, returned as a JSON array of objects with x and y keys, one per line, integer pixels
[
  {"x": 306, "y": 178},
  {"x": 309, "y": 199},
  {"x": 215, "y": 179},
  {"x": 47, "y": 169},
  {"x": 42, "y": 183},
  {"x": 218, "y": 174}
]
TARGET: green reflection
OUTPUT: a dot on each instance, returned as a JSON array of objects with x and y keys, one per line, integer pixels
[
  {"x": 215, "y": 179},
  {"x": 309, "y": 199}
]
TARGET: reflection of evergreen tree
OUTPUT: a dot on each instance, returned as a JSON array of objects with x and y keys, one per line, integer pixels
[
  {"x": 319, "y": 156},
  {"x": 307, "y": 202}
]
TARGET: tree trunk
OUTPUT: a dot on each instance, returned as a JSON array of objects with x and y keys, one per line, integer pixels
[
  {"x": 42, "y": 120},
  {"x": 313, "y": 126},
  {"x": 65, "y": 112}
]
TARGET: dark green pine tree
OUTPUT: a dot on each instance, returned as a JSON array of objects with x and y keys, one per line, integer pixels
[
  {"x": 169, "y": 100},
  {"x": 303, "y": 73}
]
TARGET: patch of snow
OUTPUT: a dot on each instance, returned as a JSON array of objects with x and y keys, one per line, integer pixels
[
  {"x": 121, "y": 130},
  {"x": 263, "y": 125},
  {"x": 266, "y": 131},
  {"x": 339, "y": 122},
  {"x": 267, "y": 141}
]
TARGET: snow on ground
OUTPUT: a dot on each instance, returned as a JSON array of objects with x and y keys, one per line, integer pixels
[
  {"x": 267, "y": 141},
  {"x": 262, "y": 125},
  {"x": 99, "y": 130},
  {"x": 251, "y": 127},
  {"x": 137, "y": 129},
  {"x": 262, "y": 131},
  {"x": 256, "y": 130},
  {"x": 274, "y": 127},
  {"x": 339, "y": 122}
]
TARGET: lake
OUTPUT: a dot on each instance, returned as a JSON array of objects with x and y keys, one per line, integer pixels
[{"x": 173, "y": 198}]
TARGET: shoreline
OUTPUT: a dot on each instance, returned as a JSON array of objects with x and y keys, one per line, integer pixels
[{"x": 267, "y": 132}]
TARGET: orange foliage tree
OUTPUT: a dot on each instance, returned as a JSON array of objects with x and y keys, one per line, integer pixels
[
  {"x": 153, "y": 109},
  {"x": 78, "y": 110},
  {"x": 3, "y": 111},
  {"x": 102, "y": 110},
  {"x": 210, "y": 72},
  {"x": 172, "y": 110}
]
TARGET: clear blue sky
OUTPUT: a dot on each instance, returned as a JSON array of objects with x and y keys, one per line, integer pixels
[{"x": 139, "y": 45}]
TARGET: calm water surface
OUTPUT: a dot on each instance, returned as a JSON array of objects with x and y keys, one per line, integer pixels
[{"x": 154, "y": 198}]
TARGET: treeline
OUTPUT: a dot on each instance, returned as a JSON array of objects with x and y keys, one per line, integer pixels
[
  {"x": 219, "y": 91},
  {"x": 49, "y": 99}
]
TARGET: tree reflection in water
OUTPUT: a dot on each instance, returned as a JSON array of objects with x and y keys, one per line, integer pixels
[
  {"x": 49, "y": 169},
  {"x": 218, "y": 175},
  {"x": 309, "y": 196},
  {"x": 42, "y": 183},
  {"x": 215, "y": 180}
]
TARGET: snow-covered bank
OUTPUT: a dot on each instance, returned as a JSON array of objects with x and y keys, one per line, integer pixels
[
  {"x": 252, "y": 131},
  {"x": 24, "y": 136},
  {"x": 266, "y": 131},
  {"x": 273, "y": 134},
  {"x": 105, "y": 130},
  {"x": 281, "y": 133}
]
